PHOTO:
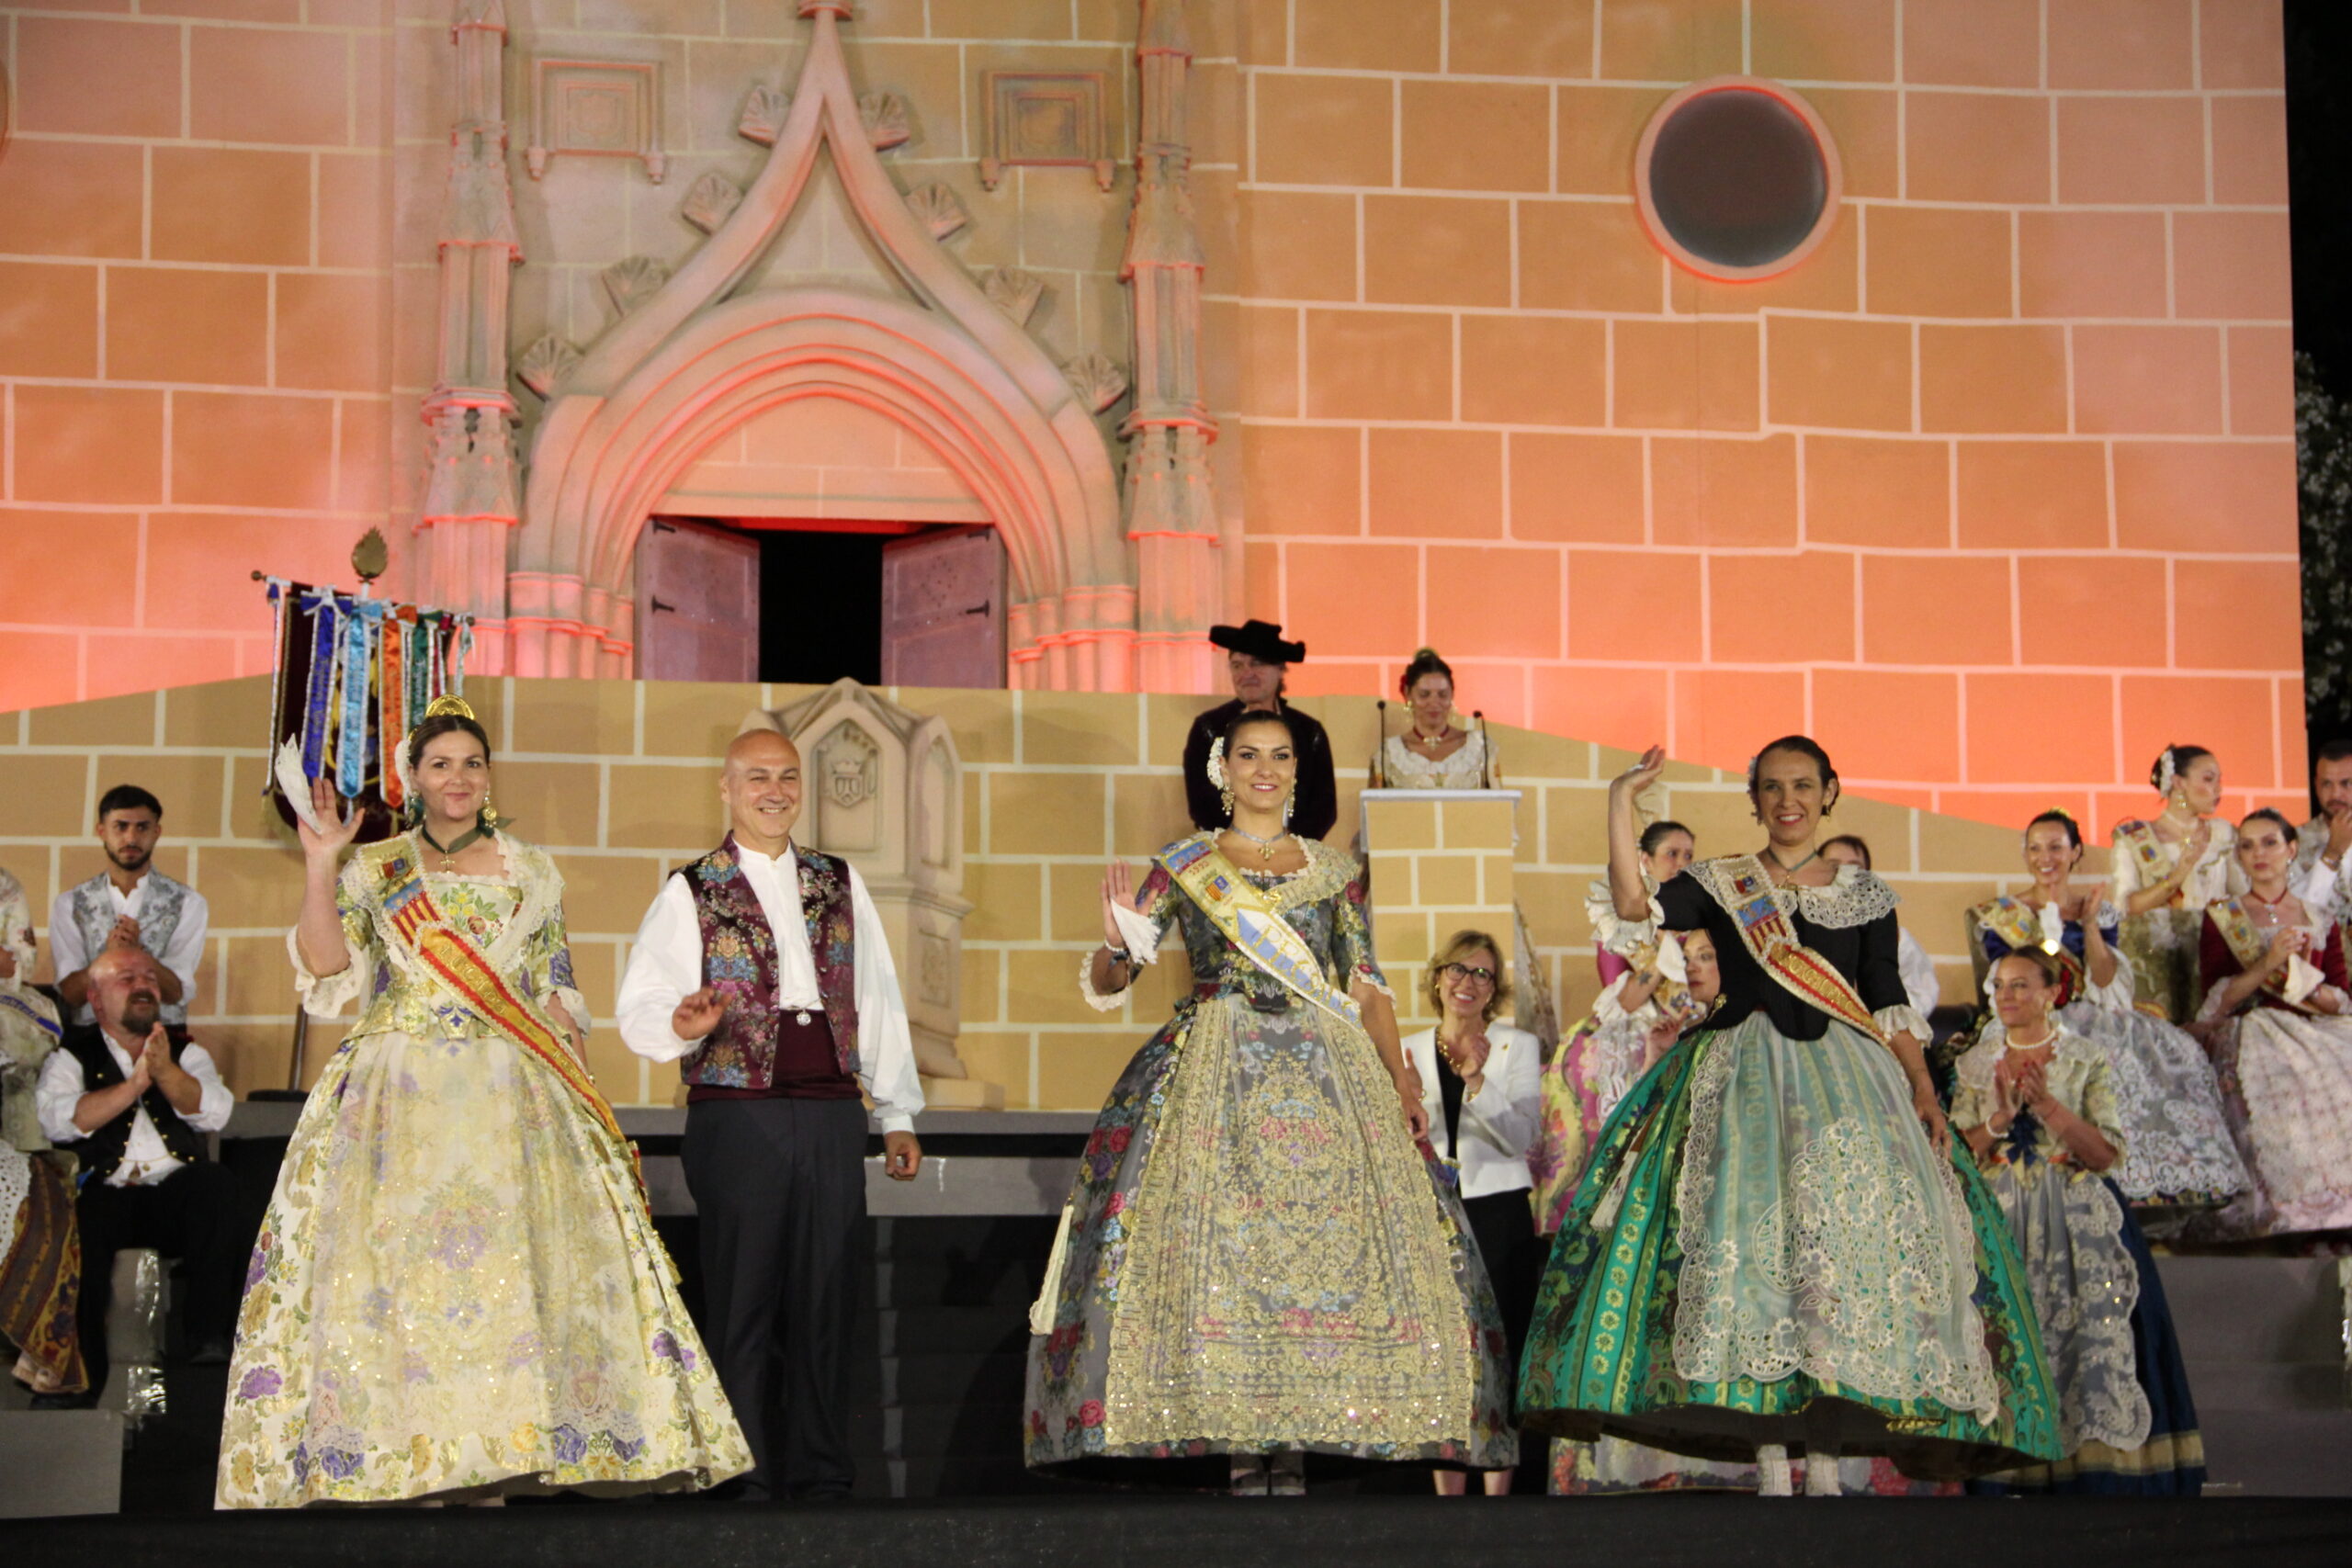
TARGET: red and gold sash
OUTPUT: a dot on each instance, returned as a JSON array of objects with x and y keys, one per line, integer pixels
[
  {"x": 469, "y": 977},
  {"x": 2250, "y": 948},
  {"x": 1738, "y": 882}
]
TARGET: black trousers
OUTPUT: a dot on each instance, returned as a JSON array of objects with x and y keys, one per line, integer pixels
[
  {"x": 1504, "y": 1227},
  {"x": 779, "y": 1187},
  {"x": 191, "y": 1214}
]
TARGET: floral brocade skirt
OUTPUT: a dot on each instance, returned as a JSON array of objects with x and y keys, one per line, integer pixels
[
  {"x": 1255, "y": 1257},
  {"x": 459, "y": 1293},
  {"x": 2286, "y": 1081},
  {"x": 1765, "y": 1249}
]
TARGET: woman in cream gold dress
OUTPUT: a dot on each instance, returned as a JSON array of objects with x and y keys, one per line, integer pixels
[
  {"x": 2167, "y": 870},
  {"x": 1255, "y": 1261},
  {"x": 457, "y": 1292}
]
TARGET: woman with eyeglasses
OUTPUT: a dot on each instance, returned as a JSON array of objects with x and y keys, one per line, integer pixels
[{"x": 1480, "y": 1089}]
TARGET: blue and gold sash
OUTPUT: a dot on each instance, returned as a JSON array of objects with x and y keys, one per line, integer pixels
[{"x": 1250, "y": 920}]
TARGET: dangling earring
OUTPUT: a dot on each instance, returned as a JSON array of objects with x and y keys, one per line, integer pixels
[
  {"x": 1290, "y": 803},
  {"x": 1225, "y": 795}
]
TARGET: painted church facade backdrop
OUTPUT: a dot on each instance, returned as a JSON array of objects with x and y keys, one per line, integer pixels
[{"x": 1373, "y": 317}]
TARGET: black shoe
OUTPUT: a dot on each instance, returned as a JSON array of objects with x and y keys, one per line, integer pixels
[
  {"x": 212, "y": 1352},
  {"x": 64, "y": 1401}
]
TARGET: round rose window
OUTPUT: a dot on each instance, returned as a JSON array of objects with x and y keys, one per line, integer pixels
[{"x": 1737, "y": 179}]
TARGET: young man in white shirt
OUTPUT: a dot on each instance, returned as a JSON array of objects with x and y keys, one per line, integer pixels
[
  {"x": 2320, "y": 848},
  {"x": 134, "y": 1109},
  {"x": 131, "y": 904},
  {"x": 764, "y": 970}
]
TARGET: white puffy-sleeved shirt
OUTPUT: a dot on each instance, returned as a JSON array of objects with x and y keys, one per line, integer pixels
[
  {"x": 665, "y": 967},
  {"x": 145, "y": 1161},
  {"x": 1918, "y": 971},
  {"x": 69, "y": 955}
]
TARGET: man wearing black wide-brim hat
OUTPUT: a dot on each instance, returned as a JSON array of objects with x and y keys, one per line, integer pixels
[{"x": 1257, "y": 658}]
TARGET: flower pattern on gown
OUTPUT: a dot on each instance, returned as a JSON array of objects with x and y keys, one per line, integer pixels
[
  {"x": 2286, "y": 1080},
  {"x": 458, "y": 1289},
  {"x": 1255, "y": 1256},
  {"x": 1763, "y": 1224},
  {"x": 2177, "y": 1149},
  {"x": 2070, "y": 1233},
  {"x": 2128, "y": 1423}
]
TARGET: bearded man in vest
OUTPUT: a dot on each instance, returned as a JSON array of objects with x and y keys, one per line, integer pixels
[
  {"x": 133, "y": 1106},
  {"x": 764, "y": 970},
  {"x": 130, "y": 904}
]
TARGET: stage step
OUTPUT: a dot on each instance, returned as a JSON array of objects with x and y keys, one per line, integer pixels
[
  {"x": 60, "y": 1462},
  {"x": 2263, "y": 1340}
]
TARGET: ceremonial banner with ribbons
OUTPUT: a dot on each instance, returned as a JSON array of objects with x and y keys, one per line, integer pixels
[{"x": 353, "y": 674}]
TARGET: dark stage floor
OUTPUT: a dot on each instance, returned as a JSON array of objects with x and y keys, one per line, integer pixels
[{"x": 1223, "y": 1532}]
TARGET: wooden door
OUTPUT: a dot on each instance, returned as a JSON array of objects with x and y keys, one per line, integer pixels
[
  {"x": 697, "y": 603},
  {"x": 943, "y": 609}
]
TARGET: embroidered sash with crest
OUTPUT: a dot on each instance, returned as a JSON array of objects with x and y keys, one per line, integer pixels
[
  {"x": 2251, "y": 948},
  {"x": 2147, "y": 853},
  {"x": 1249, "y": 921},
  {"x": 1740, "y": 884},
  {"x": 2018, "y": 923},
  {"x": 470, "y": 978}
]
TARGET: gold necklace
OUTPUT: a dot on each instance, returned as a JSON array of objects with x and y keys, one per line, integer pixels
[{"x": 1445, "y": 1048}]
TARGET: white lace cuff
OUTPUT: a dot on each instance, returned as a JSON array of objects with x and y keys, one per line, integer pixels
[
  {"x": 1615, "y": 933},
  {"x": 324, "y": 996},
  {"x": 1367, "y": 976},
  {"x": 576, "y": 1005},
  {"x": 1895, "y": 1021},
  {"x": 1100, "y": 1001}
]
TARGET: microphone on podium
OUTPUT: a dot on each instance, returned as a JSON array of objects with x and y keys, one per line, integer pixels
[
  {"x": 1485, "y": 750},
  {"x": 1380, "y": 752}
]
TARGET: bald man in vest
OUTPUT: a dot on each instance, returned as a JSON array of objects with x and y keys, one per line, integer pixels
[{"x": 764, "y": 970}]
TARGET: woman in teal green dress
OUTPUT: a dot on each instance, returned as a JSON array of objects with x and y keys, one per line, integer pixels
[{"x": 1774, "y": 1245}]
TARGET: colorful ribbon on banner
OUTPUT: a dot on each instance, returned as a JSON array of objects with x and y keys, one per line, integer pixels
[{"x": 362, "y": 670}]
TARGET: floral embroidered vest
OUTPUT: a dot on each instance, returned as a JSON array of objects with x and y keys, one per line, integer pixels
[
  {"x": 159, "y": 917},
  {"x": 739, "y": 963}
]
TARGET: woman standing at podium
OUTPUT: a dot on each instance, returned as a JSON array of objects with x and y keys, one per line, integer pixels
[
  {"x": 457, "y": 1292},
  {"x": 1773, "y": 1246},
  {"x": 1431, "y": 752},
  {"x": 1255, "y": 1261}
]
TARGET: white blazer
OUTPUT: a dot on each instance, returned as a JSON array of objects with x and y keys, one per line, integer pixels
[{"x": 1499, "y": 1122}]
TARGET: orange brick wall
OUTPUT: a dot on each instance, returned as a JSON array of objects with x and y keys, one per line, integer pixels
[
  {"x": 194, "y": 329},
  {"x": 1995, "y": 493},
  {"x": 2015, "y": 442}
]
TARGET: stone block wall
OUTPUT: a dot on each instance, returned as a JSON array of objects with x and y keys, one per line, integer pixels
[
  {"x": 1995, "y": 493},
  {"x": 196, "y": 328},
  {"x": 617, "y": 779}
]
